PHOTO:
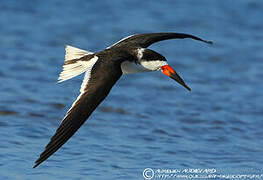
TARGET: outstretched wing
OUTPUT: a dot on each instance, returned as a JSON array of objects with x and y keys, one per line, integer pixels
[
  {"x": 95, "y": 87},
  {"x": 145, "y": 40}
]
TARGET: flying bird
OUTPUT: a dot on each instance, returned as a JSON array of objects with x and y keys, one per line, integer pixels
[{"x": 102, "y": 70}]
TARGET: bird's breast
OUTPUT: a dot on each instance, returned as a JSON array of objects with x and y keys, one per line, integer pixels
[{"x": 130, "y": 67}]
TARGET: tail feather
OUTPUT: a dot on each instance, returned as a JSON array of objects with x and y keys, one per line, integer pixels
[
  {"x": 72, "y": 66},
  {"x": 75, "y": 53}
]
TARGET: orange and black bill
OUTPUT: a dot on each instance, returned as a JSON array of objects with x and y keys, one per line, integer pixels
[{"x": 169, "y": 71}]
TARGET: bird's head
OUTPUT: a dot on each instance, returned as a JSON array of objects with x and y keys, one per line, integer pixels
[{"x": 154, "y": 61}]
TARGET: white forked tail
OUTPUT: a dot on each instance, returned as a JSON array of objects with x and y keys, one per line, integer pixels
[
  {"x": 72, "y": 66},
  {"x": 75, "y": 53}
]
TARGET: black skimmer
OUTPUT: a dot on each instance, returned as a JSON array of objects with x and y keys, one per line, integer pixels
[{"x": 103, "y": 69}]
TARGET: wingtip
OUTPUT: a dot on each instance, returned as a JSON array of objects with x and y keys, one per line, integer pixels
[
  {"x": 36, "y": 164},
  {"x": 209, "y": 42}
]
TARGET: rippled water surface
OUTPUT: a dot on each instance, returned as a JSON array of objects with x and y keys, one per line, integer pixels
[{"x": 147, "y": 121}]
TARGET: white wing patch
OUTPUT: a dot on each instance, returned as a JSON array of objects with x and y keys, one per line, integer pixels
[
  {"x": 77, "y": 67},
  {"x": 86, "y": 80}
]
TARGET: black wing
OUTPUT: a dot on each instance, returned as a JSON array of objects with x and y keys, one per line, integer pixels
[
  {"x": 145, "y": 40},
  {"x": 103, "y": 76}
]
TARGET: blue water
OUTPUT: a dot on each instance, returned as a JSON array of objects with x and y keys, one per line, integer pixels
[{"x": 147, "y": 121}]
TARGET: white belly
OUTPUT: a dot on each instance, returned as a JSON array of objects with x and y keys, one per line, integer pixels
[{"x": 129, "y": 67}]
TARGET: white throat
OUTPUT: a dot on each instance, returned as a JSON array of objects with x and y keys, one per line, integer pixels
[{"x": 129, "y": 67}]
